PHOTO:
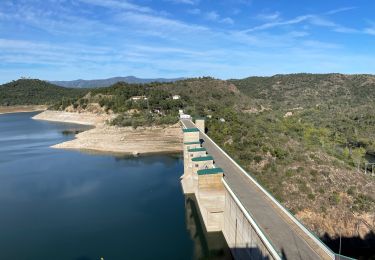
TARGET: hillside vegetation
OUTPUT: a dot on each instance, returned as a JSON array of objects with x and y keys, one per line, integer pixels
[
  {"x": 35, "y": 92},
  {"x": 305, "y": 138},
  {"x": 155, "y": 104},
  {"x": 341, "y": 103}
]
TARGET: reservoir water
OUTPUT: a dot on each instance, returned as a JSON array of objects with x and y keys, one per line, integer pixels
[{"x": 57, "y": 204}]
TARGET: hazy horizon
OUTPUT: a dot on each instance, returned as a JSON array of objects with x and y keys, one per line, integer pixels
[{"x": 157, "y": 77}]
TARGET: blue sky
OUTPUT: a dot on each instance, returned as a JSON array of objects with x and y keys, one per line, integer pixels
[{"x": 70, "y": 39}]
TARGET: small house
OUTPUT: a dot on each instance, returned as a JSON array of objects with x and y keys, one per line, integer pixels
[
  {"x": 185, "y": 116},
  {"x": 136, "y": 98}
]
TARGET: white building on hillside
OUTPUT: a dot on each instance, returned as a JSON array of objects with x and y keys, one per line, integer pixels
[
  {"x": 136, "y": 98},
  {"x": 185, "y": 116}
]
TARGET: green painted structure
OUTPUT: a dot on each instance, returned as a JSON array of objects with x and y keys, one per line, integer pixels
[
  {"x": 203, "y": 158},
  {"x": 188, "y": 143},
  {"x": 200, "y": 149},
  {"x": 190, "y": 130},
  {"x": 210, "y": 171}
]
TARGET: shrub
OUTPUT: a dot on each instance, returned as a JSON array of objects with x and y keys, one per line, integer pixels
[
  {"x": 334, "y": 199},
  {"x": 363, "y": 202},
  {"x": 351, "y": 190}
]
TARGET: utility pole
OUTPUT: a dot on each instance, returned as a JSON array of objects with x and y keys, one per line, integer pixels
[{"x": 340, "y": 244}]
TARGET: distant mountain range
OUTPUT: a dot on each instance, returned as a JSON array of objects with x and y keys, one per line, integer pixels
[{"x": 95, "y": 83}]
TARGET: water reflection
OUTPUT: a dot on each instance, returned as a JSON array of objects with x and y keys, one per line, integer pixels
[
  {"x": 210, "y": 245},
  {"x": 168, "y": 160},
  {"x": 61, "y": 204}
]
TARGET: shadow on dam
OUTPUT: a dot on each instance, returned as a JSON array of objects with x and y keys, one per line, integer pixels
[{"x": 212, "y": 245}]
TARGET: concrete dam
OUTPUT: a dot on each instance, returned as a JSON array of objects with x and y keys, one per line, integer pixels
[{"x": 254, "y": 224}]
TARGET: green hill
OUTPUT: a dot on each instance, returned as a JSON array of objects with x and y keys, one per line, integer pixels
[
  {"x": 197, "y": 97},
  {"x": 308, "y": 90},
  {"x": 344, "y": 104},
  {"x": 304, "y": 137},
  {"x": 35, "y": 92}
]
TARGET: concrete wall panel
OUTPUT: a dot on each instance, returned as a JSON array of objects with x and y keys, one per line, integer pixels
[{"x": 242, "y": 238}]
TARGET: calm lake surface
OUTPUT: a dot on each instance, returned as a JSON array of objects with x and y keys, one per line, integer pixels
[{"x": 57, "y": 204}]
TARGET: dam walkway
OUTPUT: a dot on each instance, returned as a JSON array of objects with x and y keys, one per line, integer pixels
[{"x": 285, "y": 233}]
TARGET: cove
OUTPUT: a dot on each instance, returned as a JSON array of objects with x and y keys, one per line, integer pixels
[{"x": 57, "y": 204}]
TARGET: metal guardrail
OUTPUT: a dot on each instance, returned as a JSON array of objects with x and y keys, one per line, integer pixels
[{"x": 341, "y": 257}]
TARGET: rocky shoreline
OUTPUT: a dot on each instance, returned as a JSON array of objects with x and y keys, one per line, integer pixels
[
  {"x": 21, "y": 109},
  {"x": 119, "y": 140}
]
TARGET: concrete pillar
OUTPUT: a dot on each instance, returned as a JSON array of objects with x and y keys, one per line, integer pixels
[
  {"x": 210, "y": 179},
  {"x": 209, "y": 190},
  {"x": 189, "y": 147},
  {"x": 191, "y": 140},
  {"x": 191, "y": 135},
  {"x": 200, "y": 163},
  {"x": 196, "y": 152},
  {"x": 192, "y": 147},
  {"x": 200, "y": 123},
  {"x": 188, "y": 168}
]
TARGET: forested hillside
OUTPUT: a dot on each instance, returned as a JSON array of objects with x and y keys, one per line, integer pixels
[
  {"x": 305, "y": 138},
  {"x": 342, "y": 104},
  {"x": 35, "y": 92},
  {"x": 156, "y": 104}
]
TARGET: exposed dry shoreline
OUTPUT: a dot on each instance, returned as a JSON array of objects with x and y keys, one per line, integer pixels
[
  {"x": 19, "y": 109},
  {"x": 72, "y": 117},
  {"x": 112, "y": 139}
]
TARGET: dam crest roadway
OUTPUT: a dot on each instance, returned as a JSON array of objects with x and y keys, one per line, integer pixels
[{"x": 255, "y": 225}]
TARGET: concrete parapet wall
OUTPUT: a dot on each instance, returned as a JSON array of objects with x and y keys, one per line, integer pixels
[
  {"x": 212, "y": 216},
  {"x": 244, "y": 238},
  {"x": 200, "y": 123}
]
